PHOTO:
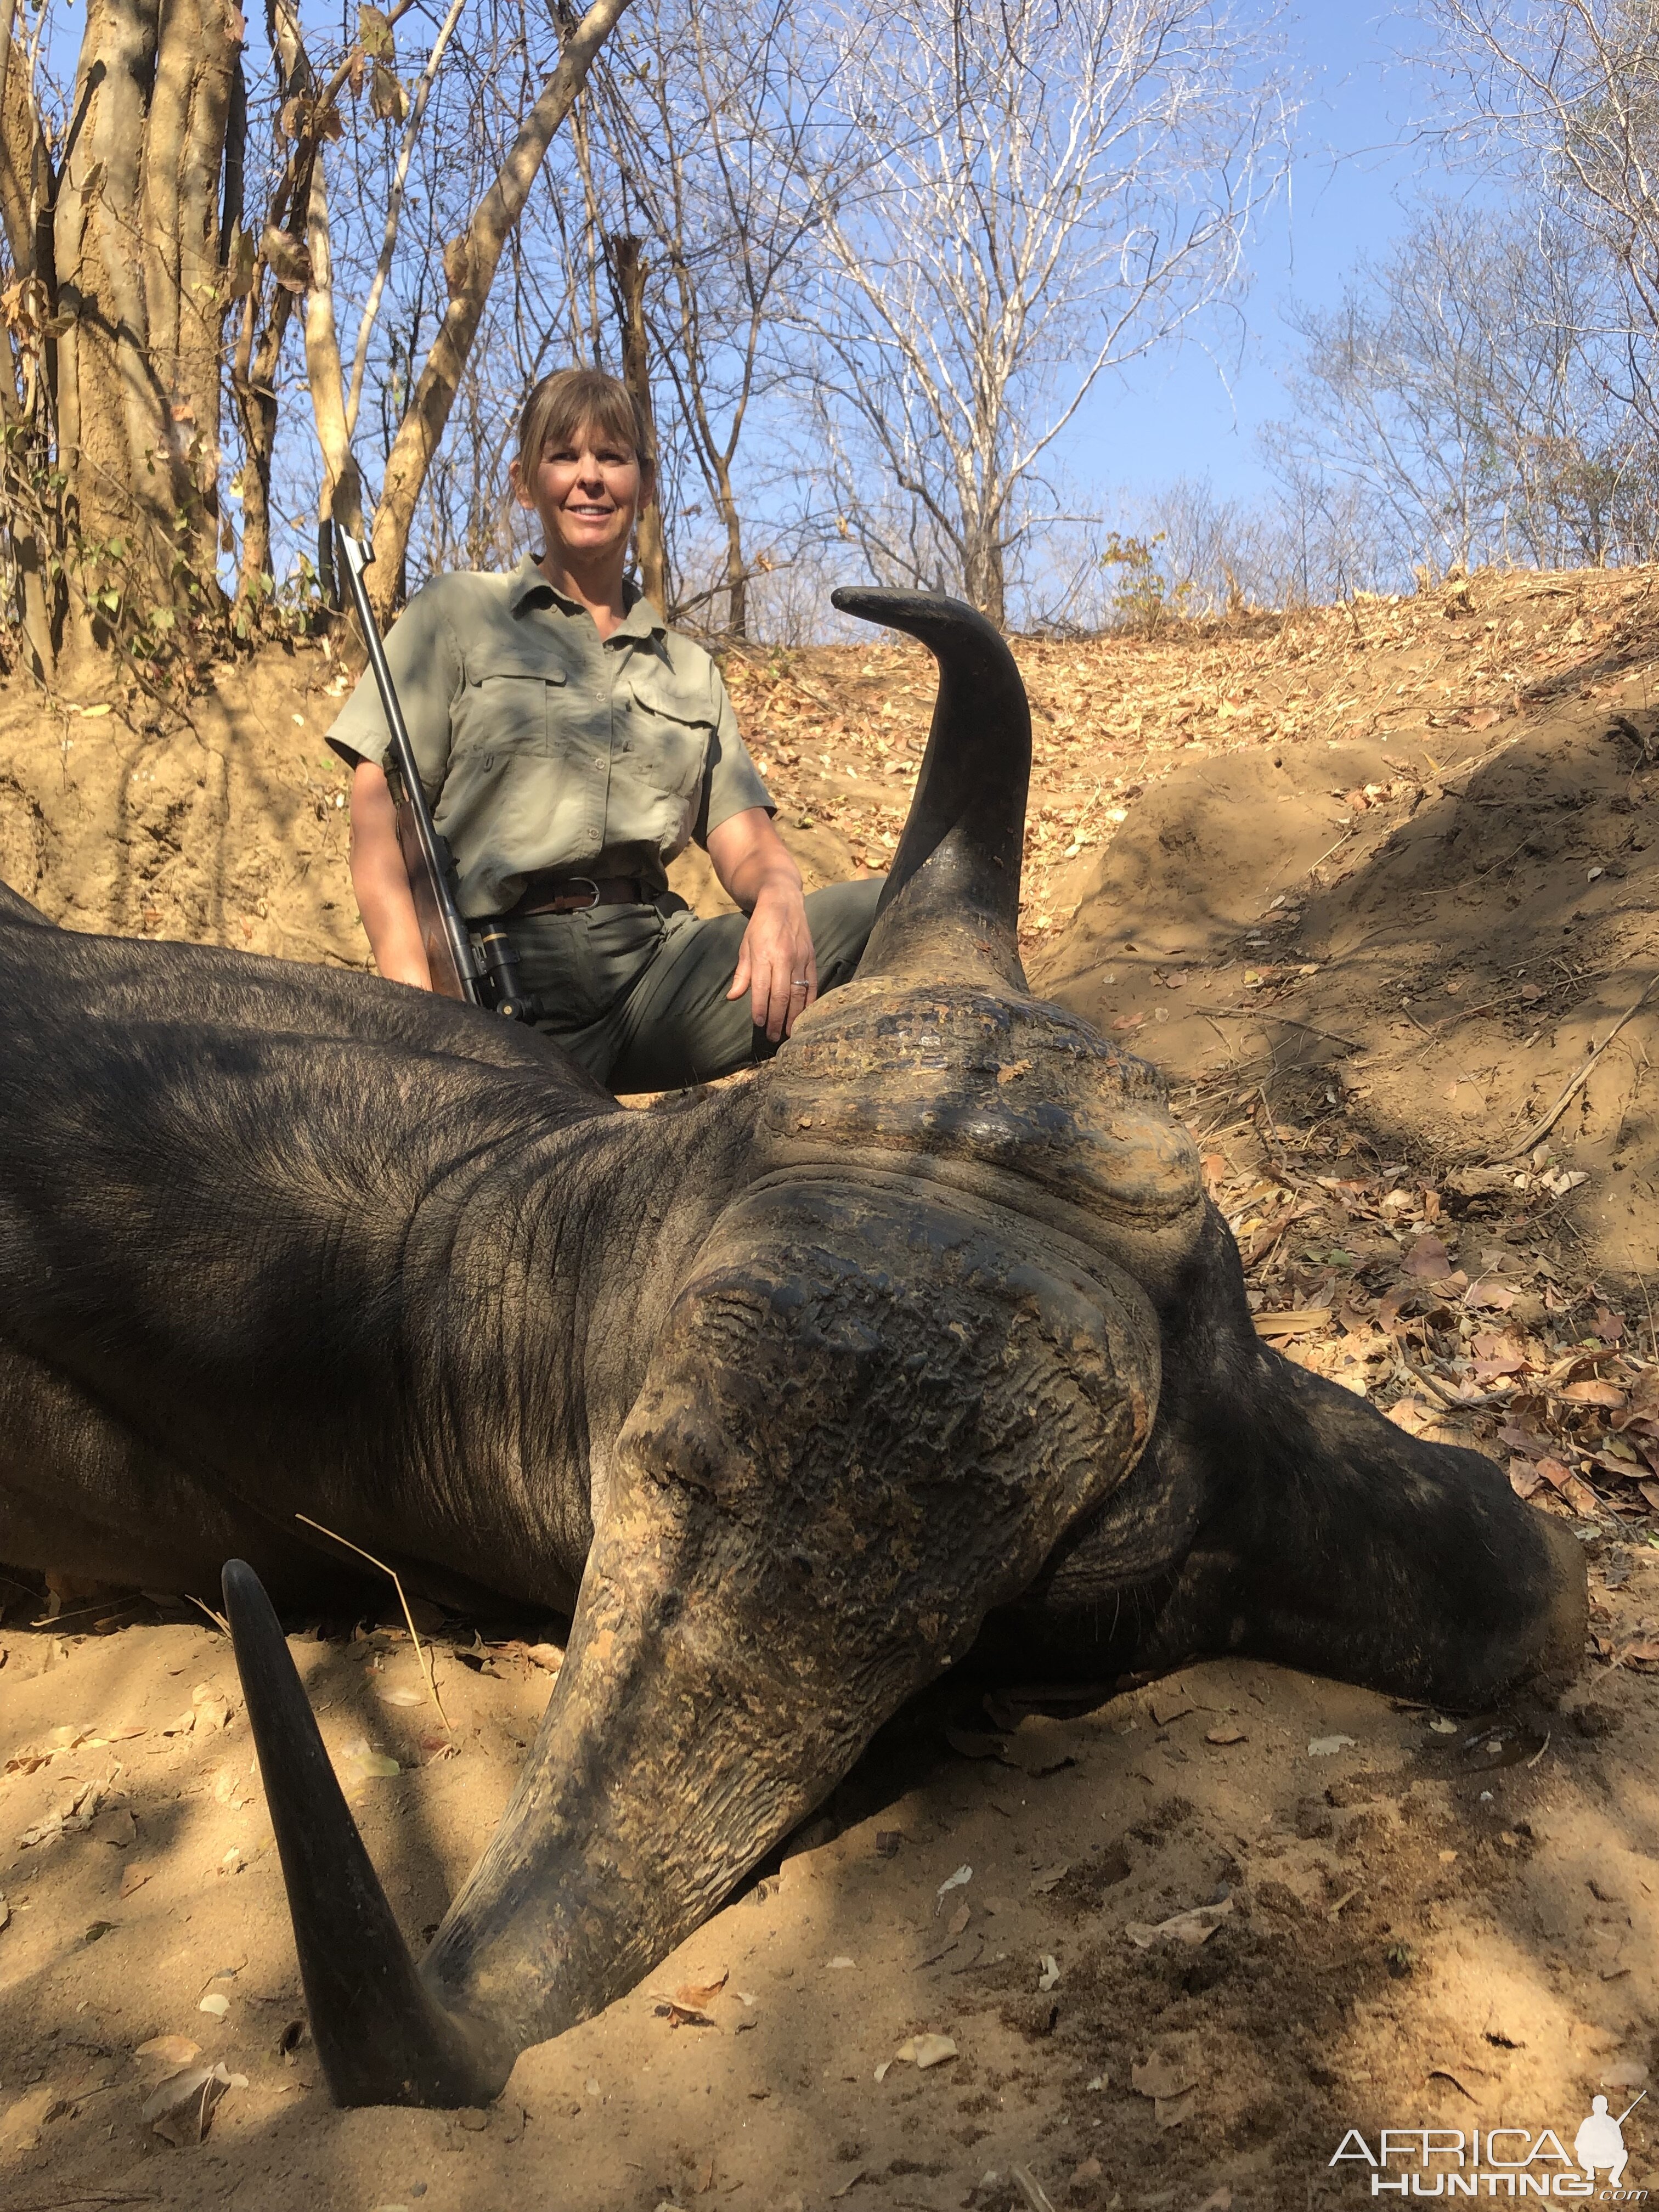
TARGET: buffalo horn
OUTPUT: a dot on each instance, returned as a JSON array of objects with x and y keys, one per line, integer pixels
[
  {"x": 951, "y": 904},
  {"x": 381, "y": 2035}
]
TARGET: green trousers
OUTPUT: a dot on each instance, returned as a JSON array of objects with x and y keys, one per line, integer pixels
[{"x": 637, "y": 993}]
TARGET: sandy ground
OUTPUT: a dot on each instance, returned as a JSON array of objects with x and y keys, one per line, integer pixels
[
  {"x": 1411, "y": 1924},
  {"x": 1374, "y": 888}
]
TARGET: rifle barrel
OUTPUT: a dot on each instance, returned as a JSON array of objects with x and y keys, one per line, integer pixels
[{"x": 355, "y": 558}]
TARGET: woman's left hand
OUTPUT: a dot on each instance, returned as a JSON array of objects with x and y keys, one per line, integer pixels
[{"x": 775, "y": 963}]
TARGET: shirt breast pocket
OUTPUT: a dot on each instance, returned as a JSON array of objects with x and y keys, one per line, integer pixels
[
  {"x": 669, "y": 746},
  {"x": 508, "y": 708}
]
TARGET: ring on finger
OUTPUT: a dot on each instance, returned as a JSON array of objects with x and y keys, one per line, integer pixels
[{"x": 800, "y": 983}]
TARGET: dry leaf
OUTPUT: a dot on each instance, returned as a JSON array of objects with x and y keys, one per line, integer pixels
[
  {"x": 924, "y": 2051},
  {"x": 1578, "y": 1492},
  {"x": 75, "y": 1816},
  {"x": 960, "y": 1918},
  {"x": 182, "y": 2109},
  {"x": 388, "y": 101},
  {"x": 1049, "y": 1979},
  {"x": 1039, "y": 1746},
  {"x": 403, "y": 1697},
  {"x": 695, "y": 1996},
  {"x": 1412, "y": 1415},
  {"x": 1171, "y": 1704},
  {"x": 134, "y": 1878},
  {"x": 1326, "y": 1746},
  {"x": 1196, "y": 1925},
  {"x": 169, "y": 2050},
  {"x": 963, "y": 1875},
  {"x": 29, "y": 1757},
  {"x": 1524, "y": 1477},
  {"x": 1429, "y": 1260},
  {"x": 1162, "y": 2075},
  {"x": 1229, "y": 1734},
  {"x": 1592, "y": 1392},
  {"x": 375, "y": 34},
  {"x": 360, "y": 1764},
  {"x": 286, "y": 257},
  {"x": 215, "y": 2002},
  {"x": 1293, "y": 1321}
]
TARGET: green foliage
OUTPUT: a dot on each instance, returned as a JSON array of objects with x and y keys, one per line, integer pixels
[{"x": 1145, "y": 602}]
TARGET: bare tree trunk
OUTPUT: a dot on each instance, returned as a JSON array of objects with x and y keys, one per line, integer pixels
[
  {"x": 20, "y": 135},
  {"x": 736, "y": 578},
  {"x": 423, "y": 425},
  {"x": 27, "y": 188},
  {"x": 343, "y": 493},
  {"x": 627, "y": 273},
  {"x": 258, "y": 352},
  {"x": 254, "y": 391},
  {"x": 982, "y": 570},
  {"x": 140, "y": 276},
  {"x": 188, "y": 146}
]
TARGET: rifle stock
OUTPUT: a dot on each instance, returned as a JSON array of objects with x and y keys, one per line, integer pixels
[{"x": 449, "y": 980}]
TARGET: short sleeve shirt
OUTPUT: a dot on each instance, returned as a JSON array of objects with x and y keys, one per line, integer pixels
[{"x": 543, "y": 746}]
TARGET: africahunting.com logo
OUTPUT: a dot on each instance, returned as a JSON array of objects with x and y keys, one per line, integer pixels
[{"x": 1448, "y": 2162}]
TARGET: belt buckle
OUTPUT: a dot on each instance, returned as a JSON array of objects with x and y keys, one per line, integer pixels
[{"x": 593, "y": 902}]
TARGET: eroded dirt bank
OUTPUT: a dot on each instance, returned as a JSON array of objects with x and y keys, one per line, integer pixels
[{"x": 1391, "y": 863}]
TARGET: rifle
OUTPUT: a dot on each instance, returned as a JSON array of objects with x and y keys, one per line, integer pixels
[{"x": 481, "y": 968}]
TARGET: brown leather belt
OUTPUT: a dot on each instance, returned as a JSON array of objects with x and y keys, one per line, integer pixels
[{"x": 546, "y": 893}]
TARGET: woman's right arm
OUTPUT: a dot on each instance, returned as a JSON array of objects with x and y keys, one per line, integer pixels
[{"x": 379, "y": 879}]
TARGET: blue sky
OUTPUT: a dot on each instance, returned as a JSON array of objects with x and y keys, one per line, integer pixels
[{"x": 1355, "y": 175}]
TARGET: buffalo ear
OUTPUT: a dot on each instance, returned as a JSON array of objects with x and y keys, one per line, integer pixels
[{"x": 950, "y": 909}]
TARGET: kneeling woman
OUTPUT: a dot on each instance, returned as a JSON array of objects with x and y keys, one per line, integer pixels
[{"x": 571, "y": 745}]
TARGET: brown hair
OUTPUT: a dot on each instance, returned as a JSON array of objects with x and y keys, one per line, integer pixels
[{"x": 574, "y": 399}]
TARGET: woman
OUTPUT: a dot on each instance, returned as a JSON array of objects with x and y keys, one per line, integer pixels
[{"x": 571, "y": 744}]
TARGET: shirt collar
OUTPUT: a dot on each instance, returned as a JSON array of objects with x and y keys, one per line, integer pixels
[{"x": 530, "y": 587}]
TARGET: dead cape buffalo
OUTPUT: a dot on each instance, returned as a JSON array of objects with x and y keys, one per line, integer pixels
[{"x": 922, "y": 1344}]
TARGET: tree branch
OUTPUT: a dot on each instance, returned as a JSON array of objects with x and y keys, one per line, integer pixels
[{"x": 423, "y": 422}]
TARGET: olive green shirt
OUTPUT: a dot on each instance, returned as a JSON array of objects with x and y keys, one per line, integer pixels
[{"x": 542, "y": 745}]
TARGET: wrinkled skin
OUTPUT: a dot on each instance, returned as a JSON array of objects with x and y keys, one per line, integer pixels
[{"x": 920, "y": 1346}]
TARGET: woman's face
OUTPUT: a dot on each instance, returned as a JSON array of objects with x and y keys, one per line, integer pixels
[{"x": 586, "y": 490}]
